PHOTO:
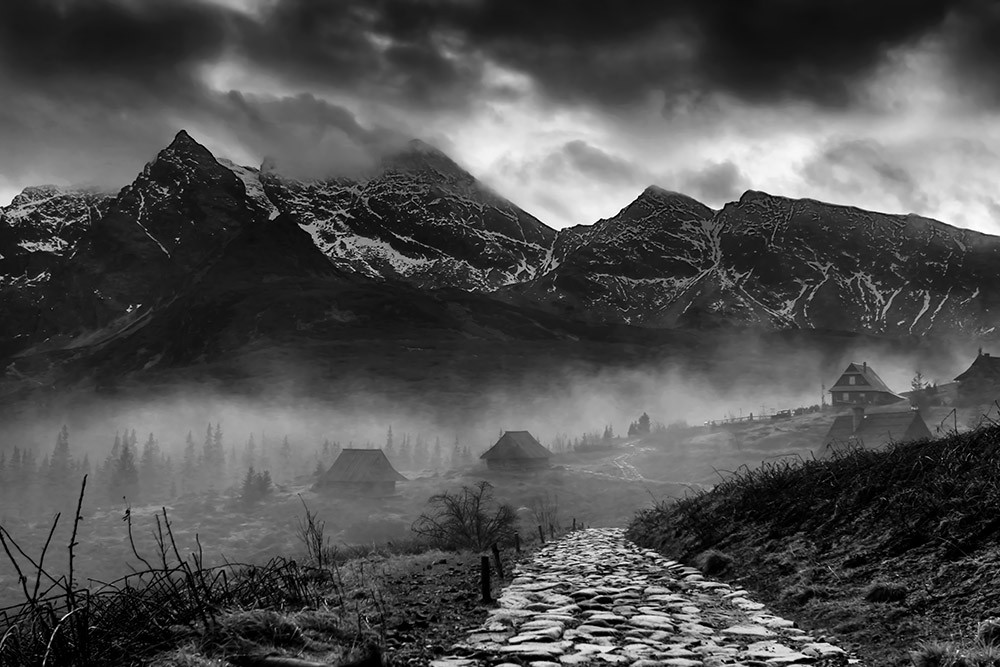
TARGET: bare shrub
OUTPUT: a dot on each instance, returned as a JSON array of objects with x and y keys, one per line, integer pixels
[
  {"x": 309, "y": 530},
  {"x": 545, "y": 509},
  {"x": 467, "y": 519}
]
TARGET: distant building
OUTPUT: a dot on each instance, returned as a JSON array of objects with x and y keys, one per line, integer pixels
[
  {"x": 980, "y": 383},
  {"x": 516, "y": 450},
  {"x": 875, "y": 428},
  {"x": 362, "y": 472},
  {"x": 859, "y": 384}
]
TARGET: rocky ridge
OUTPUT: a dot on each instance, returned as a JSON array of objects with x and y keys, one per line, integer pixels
[
  {"x": 420, "y": 218},
  {"x": 76, "y": 263},
  {"x": 594, "y": 598}
]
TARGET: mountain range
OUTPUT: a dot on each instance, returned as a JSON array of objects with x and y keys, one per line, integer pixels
[{"x": 199, "y": 255}]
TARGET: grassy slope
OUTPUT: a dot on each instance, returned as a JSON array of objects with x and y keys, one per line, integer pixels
[{"x": 813, "y": 538}]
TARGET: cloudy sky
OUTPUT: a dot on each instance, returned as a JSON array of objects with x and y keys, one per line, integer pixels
[{"x": 568, "y": 107}]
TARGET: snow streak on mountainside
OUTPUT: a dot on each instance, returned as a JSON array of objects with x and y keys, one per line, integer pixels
[
  {"x": 75, "y": 261},
  {"x": 666, "y": 260},
  {"x": 43, "y": 223},
  {"x": 419, "y": 218}
]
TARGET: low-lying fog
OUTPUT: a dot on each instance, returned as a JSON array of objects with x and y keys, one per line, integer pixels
[{"x": 293, "y": 437}]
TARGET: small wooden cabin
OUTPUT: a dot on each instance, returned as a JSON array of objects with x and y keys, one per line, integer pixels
[
  {"x": 859, "y": 384},
  {"x": 517, "y": 450},
  {"x": 360, "y": 472},
  {"x": 980, "y": 383}
]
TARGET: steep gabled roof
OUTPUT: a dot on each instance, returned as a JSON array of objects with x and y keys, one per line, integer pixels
[
  {"x": 877, "y": 428},
  {"x": 873, "y": 382},
  {"x": 362, "y": 465},
  {"x": 516, "y": 445},
  {"x": 985, "y": 366}
]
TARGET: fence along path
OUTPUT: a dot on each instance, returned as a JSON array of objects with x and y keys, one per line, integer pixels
[{"x": 595, "y": 598}]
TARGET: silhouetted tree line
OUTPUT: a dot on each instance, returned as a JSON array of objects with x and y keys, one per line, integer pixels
[{"x": 416, "y": 452}]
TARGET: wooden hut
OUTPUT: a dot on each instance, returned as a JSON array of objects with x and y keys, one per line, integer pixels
[
  {"x": 517, "y": 450},
  {"x": 980, "y": 383},
  {"x": 859, "y": 384},
  {"x": 361, "y": 472}
]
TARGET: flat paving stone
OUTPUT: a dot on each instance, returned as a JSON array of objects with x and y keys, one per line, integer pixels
[{"x": 594, "y": 598}]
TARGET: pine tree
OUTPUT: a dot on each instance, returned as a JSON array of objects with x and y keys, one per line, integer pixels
[
  {"x": 643, "y": 425},
  {"x": 250, "y": 453},
  {"x": 149, "y": 468},
  {"x": 124, "y": 476},
  {"x": 189, "y": 467},
  {"x": 456, "y": 454},
  {"x": 285, "y": 456},
  {"x": 59, "y": 464}
]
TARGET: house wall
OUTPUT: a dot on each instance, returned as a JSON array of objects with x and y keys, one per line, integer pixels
[
  {"x": 861, "y": 397},
  {"x": 977, "y": 389},
  {"x": 360, "y": 488},
  {"x": 517, "y": 464}
]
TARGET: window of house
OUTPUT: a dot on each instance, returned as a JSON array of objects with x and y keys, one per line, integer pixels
[
  {"x": 861, "y": 395},
  {"x": 843, "y": 397},
  {"x": 850, "y": 379}
]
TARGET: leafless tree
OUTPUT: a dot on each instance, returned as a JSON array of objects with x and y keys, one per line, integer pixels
[
  {"x": 467, "y": 519},
  {"x": 545, "y": 509}
]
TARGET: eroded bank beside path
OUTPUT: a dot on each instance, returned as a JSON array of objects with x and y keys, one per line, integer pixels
[{"x": 595, "y": 598}]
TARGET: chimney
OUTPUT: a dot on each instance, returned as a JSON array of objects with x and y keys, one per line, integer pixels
[
  {"x": 858, "y": 412},
  {"x": 864, "y": 366}
]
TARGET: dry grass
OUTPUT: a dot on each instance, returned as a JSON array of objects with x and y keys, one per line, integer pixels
[{"x": 952, "y": 655}]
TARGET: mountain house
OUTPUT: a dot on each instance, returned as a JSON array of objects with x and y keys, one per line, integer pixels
[
  {"x": 980, "y": 383},
  {"x": 859, "y": 384},
  {"x": 364, "y": 472},
  {"x": 517, "y": 450},
  {"x": 875, "y": 428}
]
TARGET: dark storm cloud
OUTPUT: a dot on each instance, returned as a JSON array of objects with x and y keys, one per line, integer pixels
[
  {"x": 430, "y": 52},
  {"x": 714, "y": 184},
  {"x": 307, "y": 136},
  {"x": 857, "y": 167},
  {"x": 593, "y": 50},
  {"x": 578, "y": 158}
]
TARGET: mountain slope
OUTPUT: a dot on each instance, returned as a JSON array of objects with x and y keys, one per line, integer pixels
[
  {"x": 419, "y": 218},
  {"x": 772, "y": 262},
  {"x": 136, "y": 249},
  {"x": 633, "y": 265}
]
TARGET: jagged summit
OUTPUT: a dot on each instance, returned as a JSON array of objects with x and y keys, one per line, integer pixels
[
  {"x": 420, "y": 159},
  {"x": 182, "y": 138},
  {"x": 657, "y": 192},
  {"x": 755, "y": 195}
]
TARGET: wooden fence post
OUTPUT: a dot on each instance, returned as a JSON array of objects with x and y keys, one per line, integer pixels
[
  {"x": 484, "y": 571},
  {"x": 541, "y": 535},
  {"x": 496, "y": 557},
  {"x": 517, "y": 542},
  {"x": 552, "y": 531},
  {"x": 574, "y": 524}
]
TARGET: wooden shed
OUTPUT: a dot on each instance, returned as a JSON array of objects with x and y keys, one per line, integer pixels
[
  {"x": 516, "y": 450},
  {"x": 362, "y": 472},
  {"x": 859, "y": 384},
  {"x": 980, "y": 383}
]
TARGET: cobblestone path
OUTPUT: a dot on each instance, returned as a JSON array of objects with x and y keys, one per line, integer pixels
[{"x": 595, "y": 598}]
